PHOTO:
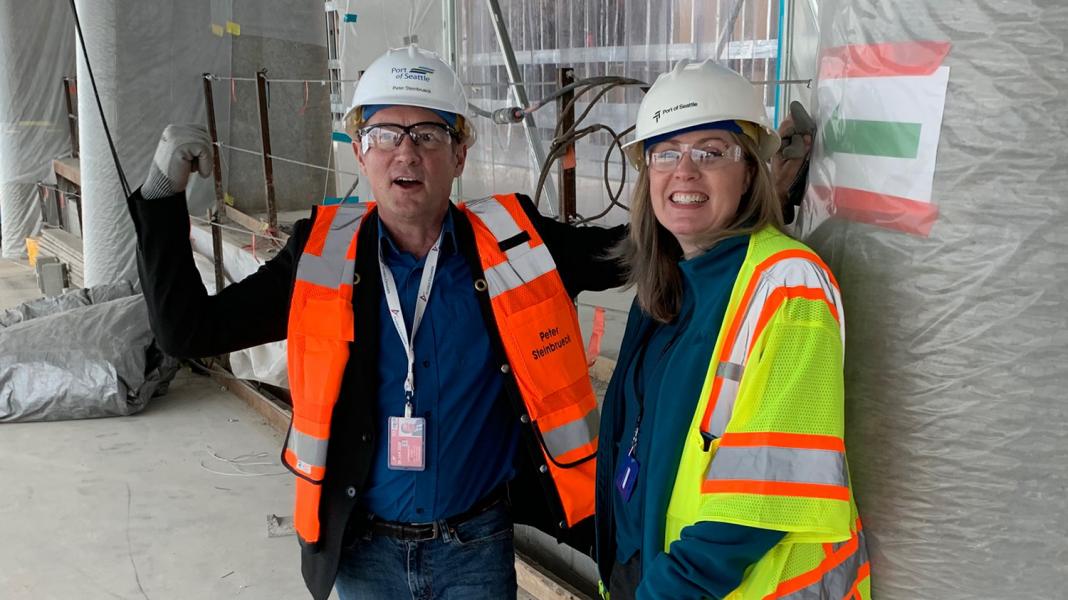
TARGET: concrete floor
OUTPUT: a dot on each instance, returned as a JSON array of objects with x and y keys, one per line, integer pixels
[
  {"x": 17, "y": 283},
  {"x": 130, "y": 508}
]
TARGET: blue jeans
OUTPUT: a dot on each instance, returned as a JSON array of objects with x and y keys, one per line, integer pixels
[{"x": 473, "y": 560}]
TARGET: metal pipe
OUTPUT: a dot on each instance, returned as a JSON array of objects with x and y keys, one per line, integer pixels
[
  {"x": 448, "y": 18},
  {"x": 220, "y": 198},
  {"x": 265, "y": 136},
  {"x": 565, "y": 110},
  {"x": 782, "y": 64},
  {"x": 807, "y": 82},
  {"x": 516, "y": 79},
  {"x": 727, "y": 29}
]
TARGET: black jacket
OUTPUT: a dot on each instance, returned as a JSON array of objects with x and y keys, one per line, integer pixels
[{"x": 190, "y": 323}]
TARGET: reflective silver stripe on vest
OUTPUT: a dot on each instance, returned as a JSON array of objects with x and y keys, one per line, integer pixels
[
  {"x": 324, "y": 271},
  {"x": 789, "y": 272},
  {"x": 518, "y": 271},
  {"x": 773, "y": 463},
  {"x": 786, "y": 273},
  {"x": 576, "y": 434},
  {"x": 721, "y": 415},
  {"x": 837, "y": 582},
  {"x": 524, "y": 263},
  {"x": 309, "y": 450},
  {"x": 331, "y": 269},
  {"x": 496, "y": 217},
  {"x": 729, "y": 370}
]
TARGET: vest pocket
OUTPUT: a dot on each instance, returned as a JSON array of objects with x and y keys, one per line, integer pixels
[
  {"x": 328, "y": 318},
  {"x": 318, "y": 352},
  {"x": 547, "y": 354}
]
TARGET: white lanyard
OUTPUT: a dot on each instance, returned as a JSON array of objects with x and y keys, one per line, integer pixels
[{"x": 389, "y": 286}]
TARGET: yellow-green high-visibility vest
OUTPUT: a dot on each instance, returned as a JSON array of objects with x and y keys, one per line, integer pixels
[{"x": 766, "y": 445}]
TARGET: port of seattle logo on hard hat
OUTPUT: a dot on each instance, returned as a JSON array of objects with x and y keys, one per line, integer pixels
[
  {"x": 416, "y": 73},
  {"x": 656, "y": 115}
]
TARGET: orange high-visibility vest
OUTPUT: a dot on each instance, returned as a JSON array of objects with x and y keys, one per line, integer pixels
[{"x": 535, "y": 317}]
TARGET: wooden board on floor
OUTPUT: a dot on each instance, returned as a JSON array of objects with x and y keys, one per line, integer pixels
[{"x": 540, "y": 584}]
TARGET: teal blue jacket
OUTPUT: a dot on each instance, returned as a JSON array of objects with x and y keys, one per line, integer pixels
[{"x": 710, "y": 559}]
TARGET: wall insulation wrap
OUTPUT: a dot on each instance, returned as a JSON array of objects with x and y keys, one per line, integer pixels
[
  {"x": 956, "y": 302},
  {"x": 36, "y": 52},
  {"x": 148, "y": 59}
]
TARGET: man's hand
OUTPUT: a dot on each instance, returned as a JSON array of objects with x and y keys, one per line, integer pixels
[
  {"x": 789, "y": 166},
  {"x": 182, "y": 149}
]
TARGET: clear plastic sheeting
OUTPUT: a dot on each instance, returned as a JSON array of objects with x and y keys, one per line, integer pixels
[
  {"x": 36, "y": 52},
  {"x": 957, "y": 336},
  {"x": 20, "y": 217},
  {"x": 95, "y": 361},
  {"x": 267, "y": 362},
  {"x": 631, "y": 39}
]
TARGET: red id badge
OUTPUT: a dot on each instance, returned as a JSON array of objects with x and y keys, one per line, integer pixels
[{"x": 406, "y": 437}]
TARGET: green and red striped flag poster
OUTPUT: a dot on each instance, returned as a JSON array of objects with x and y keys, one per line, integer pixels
[{"x": 879, "y": 109}]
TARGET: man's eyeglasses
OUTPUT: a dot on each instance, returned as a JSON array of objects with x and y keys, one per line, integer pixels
[
  {"x": 389, "y": 136},
  {"x": 707, "y": 156}
]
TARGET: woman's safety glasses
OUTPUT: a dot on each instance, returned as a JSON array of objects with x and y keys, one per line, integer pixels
[
  {"x": 707, "y": 155},
  {"x": 389, "y": 136}
]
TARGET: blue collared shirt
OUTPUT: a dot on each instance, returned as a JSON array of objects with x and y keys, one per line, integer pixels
[{"x": 471, "y": 438}]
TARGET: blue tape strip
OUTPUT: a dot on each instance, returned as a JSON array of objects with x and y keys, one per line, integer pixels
[
  {"x": 332, "y": 200},
  {"x": 341, "y": 136},
  {"x": 350, "y": 17},
  {"x": 775, "y": 122}
]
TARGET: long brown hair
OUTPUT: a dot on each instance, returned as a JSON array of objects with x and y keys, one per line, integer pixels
[{"x": 650, "y": 253}]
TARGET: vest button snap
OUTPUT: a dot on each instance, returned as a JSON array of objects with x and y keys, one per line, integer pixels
[
  {"x": 506, "y": 369},
  {"x": 480, "y": 285},
  {"x": 355, "y": 279},
  {"x": 543, "y": 469},
  {"x": 350, "y": 491},
  {"x": 563, "y": 524},
  {"x": 524, "y": 419}
]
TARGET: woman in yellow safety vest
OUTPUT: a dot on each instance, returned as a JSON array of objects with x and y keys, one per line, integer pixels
[{"x": 721, "y": 467}]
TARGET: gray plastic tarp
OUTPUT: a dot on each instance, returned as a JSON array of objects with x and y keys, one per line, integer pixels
[
  {"x": 42, "y": 307},
  {"x": 93, "y": 361}
]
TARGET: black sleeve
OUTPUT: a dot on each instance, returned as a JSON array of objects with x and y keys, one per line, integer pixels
[
  {"x": 187, "y": 322},
  {"x": 580, "y": 253}
]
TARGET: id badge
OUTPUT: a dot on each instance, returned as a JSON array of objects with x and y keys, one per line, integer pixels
[
  {"x": 626, "y": 476},
  {"x": 406, "y": 443}
]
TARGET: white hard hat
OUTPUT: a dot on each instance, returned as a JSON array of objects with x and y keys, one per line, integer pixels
[
  {"x": 412, "y": 76},
  {"x": 693, "y": 94}
]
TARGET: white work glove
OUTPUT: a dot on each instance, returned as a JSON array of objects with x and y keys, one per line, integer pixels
[{"x": 182, "y": 149}]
